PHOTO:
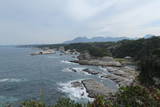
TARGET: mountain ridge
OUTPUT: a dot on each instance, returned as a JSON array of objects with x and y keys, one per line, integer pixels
[{"x": 95, "y": 39}]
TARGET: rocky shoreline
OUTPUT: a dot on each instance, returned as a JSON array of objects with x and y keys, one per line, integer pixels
[
  {"x": 93, "y": 88},
  {"x": 122, "y": 75},
  {"x": 43, "y": 52}
]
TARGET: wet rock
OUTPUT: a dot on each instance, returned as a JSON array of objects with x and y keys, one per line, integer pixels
[
  {"x": 77, "y": 84},
  {"x": 95, "y": 88},
  {"x": 72, "y": 69},
  {"x": 89, "y": 71}
]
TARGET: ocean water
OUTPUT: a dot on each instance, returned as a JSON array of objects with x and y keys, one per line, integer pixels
[{"x": 45, "y": 77}]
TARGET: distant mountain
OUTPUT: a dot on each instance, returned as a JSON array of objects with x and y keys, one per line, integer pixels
[
  {"x": 95, "y": 39},
  {"x": 148, "y": 36}
]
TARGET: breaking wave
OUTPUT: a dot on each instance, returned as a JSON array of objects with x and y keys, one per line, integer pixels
[
  {"x": 74, "y": 93},
  {"x": 11, "y": 80}
]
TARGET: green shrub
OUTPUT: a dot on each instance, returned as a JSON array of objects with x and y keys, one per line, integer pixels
[
  {"x": 150, "y": 69},
  {"x": 33, "y": 104},
  {"x": 67, "y": 103}
]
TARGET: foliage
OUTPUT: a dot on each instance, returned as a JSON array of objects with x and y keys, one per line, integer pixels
[
  {"x": 135, "y": 96},
  {"x": 95, "y": 49},
  {"x": 150, "y": 69},
  {"x": 33, "y": 104},
  {"x": 138, "y": 49},
  {"x": 67, "y": 103}
]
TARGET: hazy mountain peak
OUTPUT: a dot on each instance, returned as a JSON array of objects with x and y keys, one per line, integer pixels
[
  {"x": 148, "y": 36},
  {"x": 95, "y": 39}
]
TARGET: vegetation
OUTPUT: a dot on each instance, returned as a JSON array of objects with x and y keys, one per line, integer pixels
[
  {"x": 138, "y": 49},
  {"x": 95, "y": 49},
  {"x": 150, "y": 71},
  {"x": 64, "y": 102}
]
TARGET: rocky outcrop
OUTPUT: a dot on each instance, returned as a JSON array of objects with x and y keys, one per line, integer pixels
[
  {"x": 90, "y": 71},
  {"x": 97, "y": 62},
  {"x": 86, "y": 59},
  {"x": 121, "y": 81},
  {"x": 72, "y": 69},
  {"x": 125, "y": 72},
  {"x": 95, "y": 88},
  {"x": 121, "y": 75},
  {"x": 70, "y": 52},
  {"x": 77, "y": 84},
  {"x": 43, "y": 52}
]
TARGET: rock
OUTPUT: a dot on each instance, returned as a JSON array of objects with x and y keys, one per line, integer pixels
[
  {"x": 119, "y": 71},
  {"x": 86, "y": 59},
  {"x": 43, "y": 52},
  {"x": 89, "y": 71},
  {"x": 107, "y": 59},
  {"x": 98, "y": 63},
  {"x": 74, "y": 70},
  {"x": 118, "y": 79},
  {"x": 125, "y": 83},
  {"x": 77, "y": 84},
  {"x": 95, "y": 88}
]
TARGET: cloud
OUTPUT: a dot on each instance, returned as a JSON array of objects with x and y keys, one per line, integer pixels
[
  {"x": 84, "y": 9},
  {"x": 53, "y": 21},
  {"x": 131, "y": 21}
]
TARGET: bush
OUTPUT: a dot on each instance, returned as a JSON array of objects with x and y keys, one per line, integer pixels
[
  {"x": 150, "y": 69},
  {"x": 135, "y": 96},
  {"x": 67, "y": 103},
  {"x": 33, "y": 104}
]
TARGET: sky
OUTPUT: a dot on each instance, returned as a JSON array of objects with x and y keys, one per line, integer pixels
[{"x": 55, "y": 21}]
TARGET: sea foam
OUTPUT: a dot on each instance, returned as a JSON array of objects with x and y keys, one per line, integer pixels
[
  {"x": 11, "y": 80},
  {"x": 75, "y": 93},
  {"x": 67, "y": 62},
  {"x": 77, "y": 70}
]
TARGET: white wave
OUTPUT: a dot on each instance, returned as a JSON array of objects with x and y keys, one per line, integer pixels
[
  {"x": 102, "y": 68},
  {"x": 76, "y": 69},
  {"x": 11, "y": 80},
  {"x": 79, "y": 69},
  {"x": 67, "y": 70},
  {"x": 67, "y": 62},
  {"x": 74, "y": 93}
]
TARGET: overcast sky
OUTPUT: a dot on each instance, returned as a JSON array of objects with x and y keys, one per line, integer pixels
[{"x": 54, "y": 21}]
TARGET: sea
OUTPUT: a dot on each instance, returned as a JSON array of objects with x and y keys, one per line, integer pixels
[{"x": 41, "y": 77}]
